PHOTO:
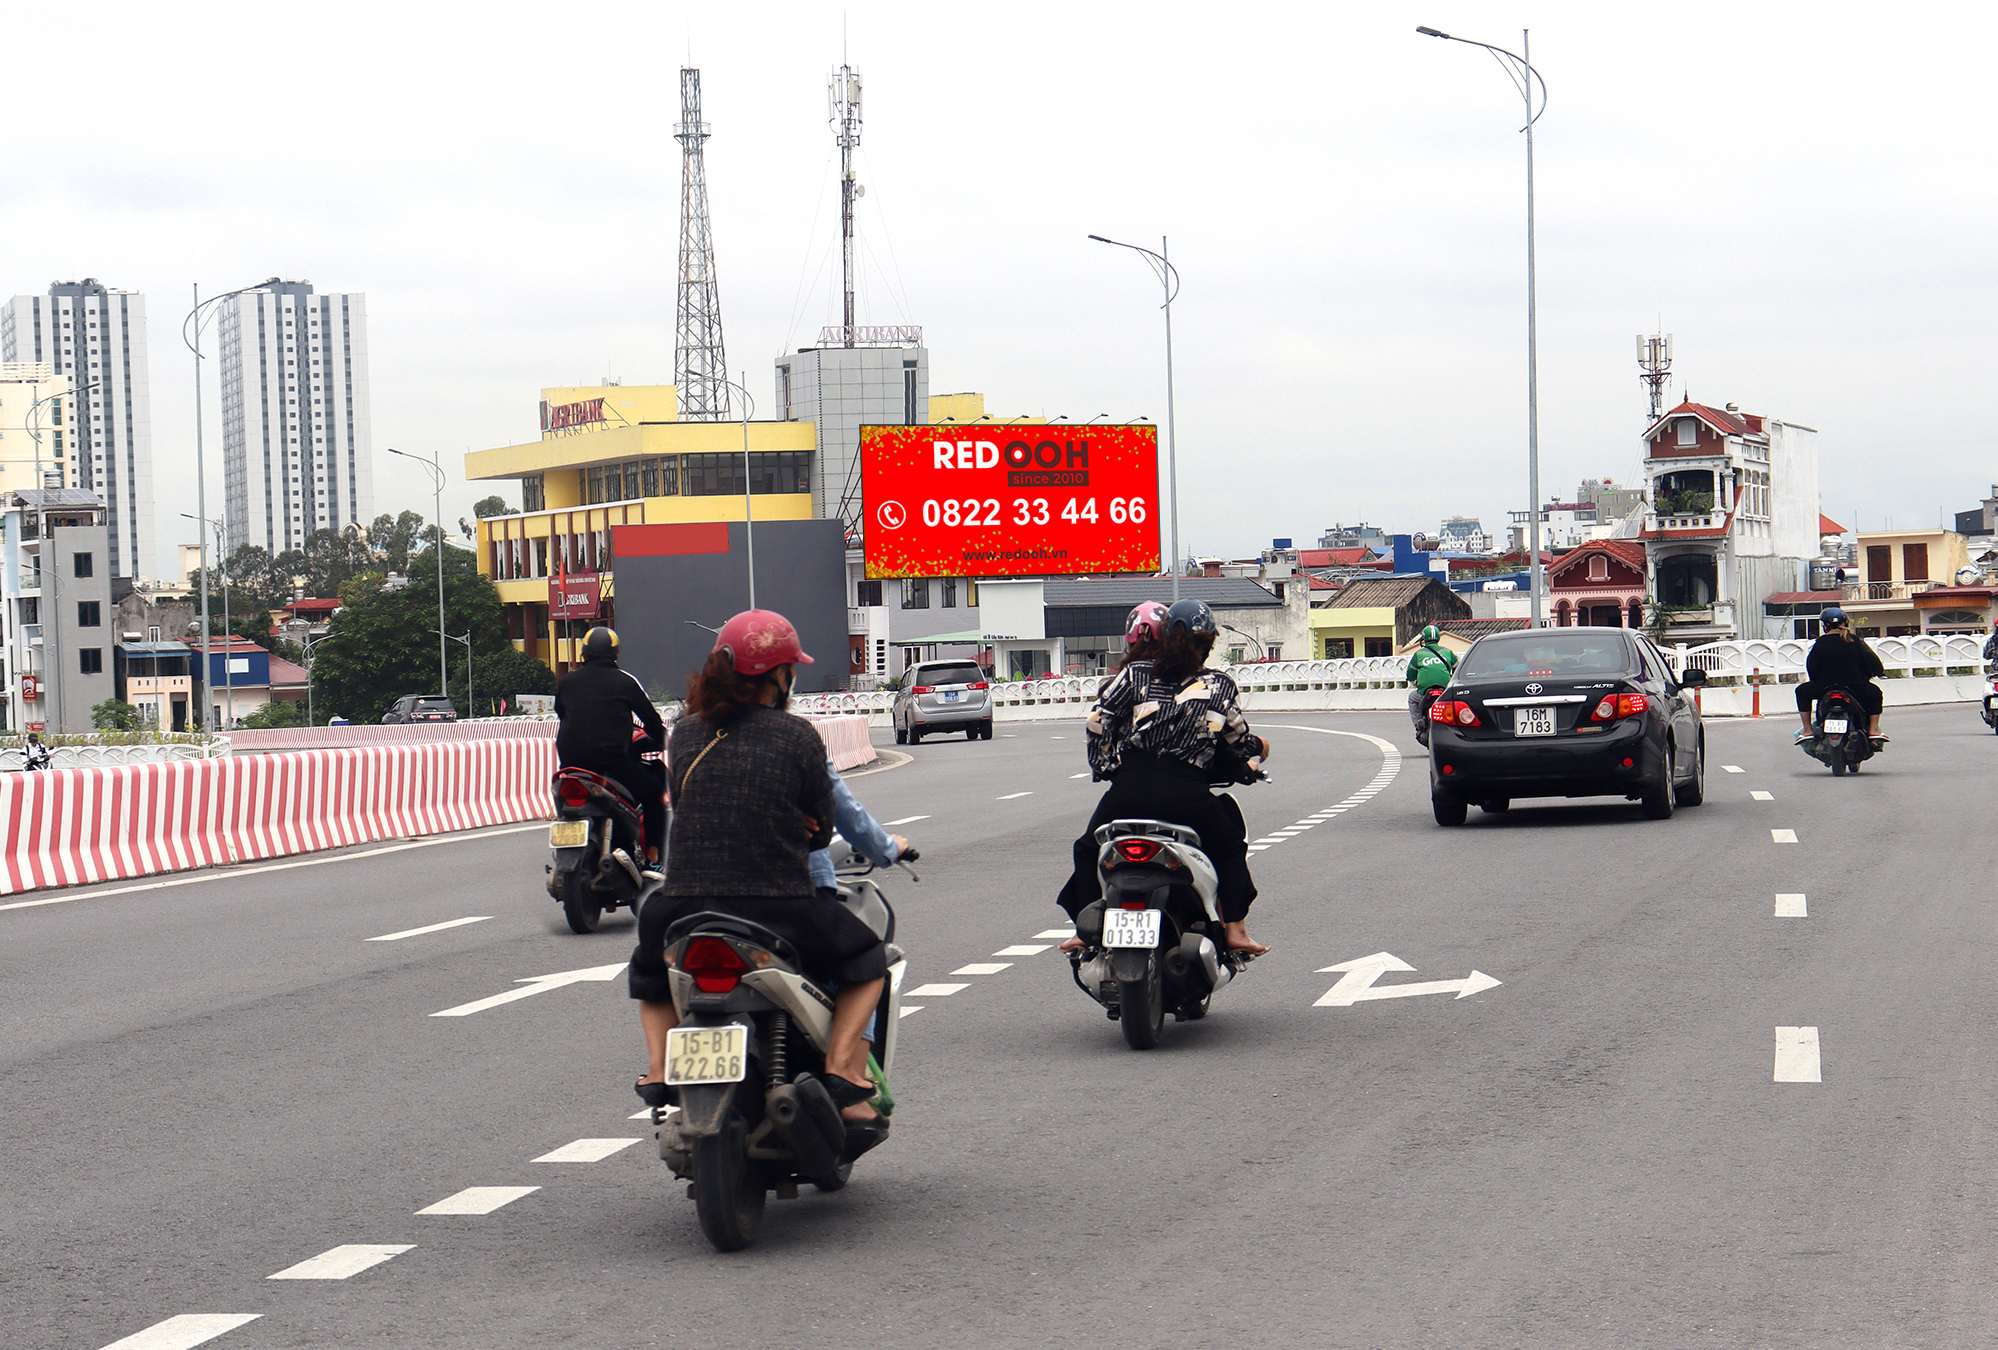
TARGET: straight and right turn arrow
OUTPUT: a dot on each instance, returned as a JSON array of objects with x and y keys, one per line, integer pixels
[{"x": 1356, "y": 982}]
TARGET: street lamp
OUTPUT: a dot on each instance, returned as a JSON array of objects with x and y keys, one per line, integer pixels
[
  {"x": 748, "y": 512},
  {"x": 1262, "y": 652},
  {"x": 471, "y": 709},
  {"x": 228, "y": 633},
  {"x": 443, "y": 679},
  {"x": 1524, "y": 77},
  {"x": 305, "y": 647},
  {"x": 1169, "y": 278}
]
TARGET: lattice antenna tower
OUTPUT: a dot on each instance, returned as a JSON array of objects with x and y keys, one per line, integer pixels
[
  {"x": 1654, "y": 358},
  {"x": 700, "y": 366},
  {"x": 843, "y": 92}
]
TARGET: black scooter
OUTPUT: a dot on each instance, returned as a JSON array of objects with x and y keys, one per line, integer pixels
[
  {"x": 599, "y": 842},
  {"x": 1839, "y": 728}
]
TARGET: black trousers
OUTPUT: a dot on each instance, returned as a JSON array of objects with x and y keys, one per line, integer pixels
[
  {"x": 836, "y": 947},
  {"x": 647, "y": 787},
  {"x": 1868, "y": 694},
  {"x": 1141, "y": 790}
]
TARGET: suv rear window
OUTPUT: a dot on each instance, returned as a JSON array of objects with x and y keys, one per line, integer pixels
[
  {"x": 438, "y": 704},
  {"x": 960, "y": 672},
  {"x": 1576, "y": 652}
]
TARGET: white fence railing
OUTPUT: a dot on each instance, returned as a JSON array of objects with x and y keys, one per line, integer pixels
[{"x": 1784, "y": 656}]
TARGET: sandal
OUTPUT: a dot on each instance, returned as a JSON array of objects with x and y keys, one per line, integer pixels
[
  {"x": 656, "y": 1095},
  {"x": 844, "y": 1091}
]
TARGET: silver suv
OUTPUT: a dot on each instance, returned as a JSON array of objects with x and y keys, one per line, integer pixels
[{"x": 943, "y": 696}]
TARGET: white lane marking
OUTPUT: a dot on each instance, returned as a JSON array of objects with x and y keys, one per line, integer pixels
[
  {"x": 1733, "y": 768},
  {"x": 1797, "y": 1055},
  {"x": 983, "y": 968},
  {"x": 202, "y": 874},
  {"x": 1055, "y": 933},
  {"x": 906, "y": 1010},
  {"x": 1021, "y": 949},
  {"x": 646, "y": 1114},
  {"x": 1268, "y": 840},
  {"x": 343, "y": 1262},
  {"x": 586, "y": 1150},
  {"x": 535, "y": 984},
  {"x": 1762, "y": 796},
  {"x": 1356, "y": 982},
  {"x": 433, "y": 928},
  {"x": 1014, "y": 795},
  {"x": 1078, "y": 775},
  {"x": 183, "y": 1332},
  {"x": 935, "y": 991},
  {"x": 905, "y": 820},
  {"x": 481, "y": 1199},
  {"x": 1057, "y": 738},
  {"x": 1259, "y": 848},
  {"x": 1008, "y": 736},
  {"x": 1782, "y": 836},
  {"x": 1790, "y": 906}
]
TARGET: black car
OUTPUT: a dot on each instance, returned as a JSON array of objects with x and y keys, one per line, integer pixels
[
  {"x": 1566, "y": 712},
  {"x": 420, "y": 708}
]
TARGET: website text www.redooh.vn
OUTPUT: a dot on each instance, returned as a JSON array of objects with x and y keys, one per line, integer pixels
[{"x": 1013, "y": 555}]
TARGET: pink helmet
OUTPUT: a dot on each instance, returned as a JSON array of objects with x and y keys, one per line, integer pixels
[
  {"x": 1146, "y": 622},
  {"x": 760, "y": 640}
]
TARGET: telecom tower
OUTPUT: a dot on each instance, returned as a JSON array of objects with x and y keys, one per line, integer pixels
[
  {"x": 845, "y": 118},
  {"x": 1654, "y": 358},
  {"x": 700, "y": 366}
]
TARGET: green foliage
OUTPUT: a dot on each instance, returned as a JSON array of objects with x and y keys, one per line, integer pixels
[
  {"x": 276, "y": 713},
  {"x": 494, "y": 505},
  {"x": 383, "y": 644},
  {"x": 115, "y": 715},
  {"x": 503, "y": 674},
  {"x": 392, "y": 538},
  {"x": 1687, "y": 503}
]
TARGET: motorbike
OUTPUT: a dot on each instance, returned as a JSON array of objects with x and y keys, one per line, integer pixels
[
  {"x": 1429, "y": 697},
  {"x": 598, "y": 838},
  {"x": 1150, "y": 942},
  {"x": 1990, "y": 708},
  {"x": 752, "y": 1115},
  {"x": 35, "y": 756},
  {"x": 1839, "y": 727}
]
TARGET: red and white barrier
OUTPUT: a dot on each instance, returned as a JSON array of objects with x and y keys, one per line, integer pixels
[
  {"x": 845, "y": 736},
  {"x": 847, "y": 743}
]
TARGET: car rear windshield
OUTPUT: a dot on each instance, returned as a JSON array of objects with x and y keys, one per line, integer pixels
[
  {"x": 962, "y": 673},
  {"x": 433, "y": 705},
  {"x": 1561, "y": 655}
]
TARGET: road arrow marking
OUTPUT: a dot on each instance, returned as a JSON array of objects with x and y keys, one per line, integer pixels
[
  {"x": 1356, "y": 982},
  {"x": 535, "y": 984}
]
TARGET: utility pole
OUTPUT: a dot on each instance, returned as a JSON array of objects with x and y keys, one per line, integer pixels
[
  {"x": 845, "y": 119},
  {"x": 700, "y": 366}
]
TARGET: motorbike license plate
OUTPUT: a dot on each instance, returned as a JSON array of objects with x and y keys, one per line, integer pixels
[
  {"x": 951, "y": 695},
  {"x": 1533, "y": 721},
  {"x": 1131, "y": 928},
  {"x": 1836, "y": 725},
  {"x": 569, "y": 834},
  {"x": 707, "y": 1054}
]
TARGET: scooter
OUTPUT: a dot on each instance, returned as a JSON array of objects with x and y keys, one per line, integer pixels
[
  {"x": 744, "y": 1062},
  {"x": 1840, "y": 738},
  {"x": 599, "y": 841},
  {"x": 1151, "y": 942},
  {"x": 1990, "y": 710},
  {"x": 1429, "y": 697}
]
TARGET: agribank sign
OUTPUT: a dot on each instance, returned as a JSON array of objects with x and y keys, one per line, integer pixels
[{"x": 1009, "y": 501}]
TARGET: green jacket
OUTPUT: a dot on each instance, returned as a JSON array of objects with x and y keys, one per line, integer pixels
[{"x": 1431, "y": 667}]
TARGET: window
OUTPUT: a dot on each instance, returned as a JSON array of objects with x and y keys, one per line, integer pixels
[
  {"x": 1338, "y": 649},
  {"x": 85, "y": 565},
  {"x": 1806, "y": 628},
  {"x": 530, "y": 492},
  {"x": 1689, "y": 431},
  {"x": 1879, "y": 562},
  {"x": 949, "y": 600},
  {"x": 1235, "y": 654},
  {"x": 909, "y": 418},
  {"x": 915, "y": 592},
  {"x": 868, "y": 593},
  {"x": 1598, "y": 568},
  {"x": 769, "y": 471},
  {"x": 1380, "y": 646},
  {"x": 88, "y": 614},
  {"x": 1276, "y": 651},
  {"x": 90, "y": 660},
  {"x": 1914, "y": 562},
  {"x": 152, "y": 635}
]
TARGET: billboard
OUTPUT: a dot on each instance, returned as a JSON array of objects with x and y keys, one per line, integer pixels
[{"x": 986, "y": 500}]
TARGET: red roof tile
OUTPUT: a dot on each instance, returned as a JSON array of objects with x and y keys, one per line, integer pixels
[
  {"x": 1725, "y": 422},
  {"x": 1826, "y": 525},
  {"x": 1627, "y": 551}
]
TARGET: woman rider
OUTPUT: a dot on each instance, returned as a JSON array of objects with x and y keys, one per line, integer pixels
[
  {"x": 751, "y": 800},
  {"x": 1838, "y": 660},
  {"x": 1154, "y": 732}
]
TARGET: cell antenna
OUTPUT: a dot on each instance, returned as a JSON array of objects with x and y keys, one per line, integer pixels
[
  {"x": 844, "y": 116},
  {"x": 1654, "y": 358},
  {"x": 700, "y": 367}
]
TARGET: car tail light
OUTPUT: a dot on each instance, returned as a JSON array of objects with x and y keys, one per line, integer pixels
[
  {"x": 1453, "y": 712},
  {"x": 575, "y": 792},
  {"x": 713, "y": 964},
  {"x": 981, "y": 684},
  {"x": 924, "y": 689},
  {"x": 1614, "y": 706}
]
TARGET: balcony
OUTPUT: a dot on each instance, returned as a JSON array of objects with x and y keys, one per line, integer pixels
[
  {"x": 1884, "y": 592},
  {"x": 1685, "y": 520},
  {"x": 31, "y": 581}
]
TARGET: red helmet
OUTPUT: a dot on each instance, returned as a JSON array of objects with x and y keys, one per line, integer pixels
[
  {"x": 1146, "y": 622},
  {"x": 760, "y": 640}
]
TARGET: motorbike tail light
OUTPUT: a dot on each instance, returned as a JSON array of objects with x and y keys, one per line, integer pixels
[
  {"x": 574, "y": 791},
  {"x": 1138, "y": 850},
  {"x": 981, "y": 684},
  {"x": 714, "y": 965},
  {"x": 924, "y": 689},
  {"x": 1134, "y": 904}
]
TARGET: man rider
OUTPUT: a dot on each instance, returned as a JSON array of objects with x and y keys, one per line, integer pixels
[
  {"x": 597, "y": 702},
  {"x": 1430, "y": 667},
  {"x": 1838, "y": 660}
]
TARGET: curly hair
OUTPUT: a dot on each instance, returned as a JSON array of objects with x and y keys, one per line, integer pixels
[{"x": 719, "y": 695}]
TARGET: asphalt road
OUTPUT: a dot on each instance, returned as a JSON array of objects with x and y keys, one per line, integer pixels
[{"x": 211, "y": 1081}]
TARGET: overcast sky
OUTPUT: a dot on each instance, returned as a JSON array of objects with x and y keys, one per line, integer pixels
[{"x": 1803, "y": 194}]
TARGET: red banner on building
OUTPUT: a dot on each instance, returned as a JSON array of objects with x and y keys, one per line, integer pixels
[
  {"x": 576, "y": 597},
  {"x": 986, "y": 500}
]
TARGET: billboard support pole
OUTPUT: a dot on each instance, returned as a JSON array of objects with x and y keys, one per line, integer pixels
[{"x": 1168, "y": 277}]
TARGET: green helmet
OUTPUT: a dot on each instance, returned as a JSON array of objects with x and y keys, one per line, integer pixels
[{"x": 1432, "y": 634}]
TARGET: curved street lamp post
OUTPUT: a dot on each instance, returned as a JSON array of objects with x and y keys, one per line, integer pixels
[
  {"x": 1169, "y": 278},
  {"x": 437, "y": 470}
]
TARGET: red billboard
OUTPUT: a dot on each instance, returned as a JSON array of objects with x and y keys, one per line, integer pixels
[
  {"x": 985, "y": 500},
  {"x": 580, "y": 595}
]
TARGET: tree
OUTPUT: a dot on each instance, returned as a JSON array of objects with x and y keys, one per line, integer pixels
[
  {"x": 276, "y": 713},
  {"x": 494, "y": 505},
  {"x": 505, "y": 674},
  {"x": 383, "y": 644},
  {"x": 114, "y": 715},
  {"x": 392, "y": 537}
]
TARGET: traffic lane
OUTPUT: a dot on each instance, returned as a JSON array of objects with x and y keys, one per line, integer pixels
[{"x": 130, "y": 956}]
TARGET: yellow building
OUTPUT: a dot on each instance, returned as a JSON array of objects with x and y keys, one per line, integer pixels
[
  {"x": 1899, "y": 567},
  {"x": 1363, "y": 631}
]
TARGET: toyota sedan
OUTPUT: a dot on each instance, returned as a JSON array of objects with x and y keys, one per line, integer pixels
[{"x": 1566, "y": 712}]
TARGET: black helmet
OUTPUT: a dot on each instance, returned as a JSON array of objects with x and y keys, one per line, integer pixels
[
  {"x": 600, "y": 644},
  {"x": 1192, "y": 615},
  {"x": 1834, "y": 617}
]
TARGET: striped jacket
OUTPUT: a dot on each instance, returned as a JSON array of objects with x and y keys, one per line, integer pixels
[{"x": 1185, "y": 721}]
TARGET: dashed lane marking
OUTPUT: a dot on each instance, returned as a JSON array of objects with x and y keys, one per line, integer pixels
[
  {"x": 1733, "y": 768},
  {"x": 1790, "y": 906},
  {"x": 1057, "y": 738},
  {"x": 1023, "y": 949},
  {"x": 183, "y": 1332},
  {"x": 587, "y": 1150},
  {"x": 905, "y": 820},
  {"x": 935, "y": 991},
  {"x": 1056, "y": 933},
  {"x": 1762, "y": 796},
  {"x": 1797, "y": 1055},
  {"x": 907, "y": 1009},
  {"x": 1078, "y": 775},
  {"x": 483, "y": 1199},
  {"x": 432, "y": 928},
  {"x": 983, "y": 968},
  {"x": 1014, "y": 795},
  {"x": 345, "y": 1262},
  {"x": 1782, "y": 836}
]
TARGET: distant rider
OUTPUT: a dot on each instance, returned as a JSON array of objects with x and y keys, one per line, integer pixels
[
  {"x": 1430, "y": 667},
  {"x": 597, "y": 702},
  {"x": 1155, "y": 732},
  {"x": 1838, "y": 660},
  {"x": 34, "y": 755}
]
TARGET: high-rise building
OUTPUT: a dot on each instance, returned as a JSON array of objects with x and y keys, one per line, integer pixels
[
  {"x": 841, "y": 388},
  {"x": 95, "y": 338},
  {"x": 295, "y": 451}
]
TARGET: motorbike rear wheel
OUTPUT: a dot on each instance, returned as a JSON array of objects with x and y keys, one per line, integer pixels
[
  {"x": 834, "y": 1180},
  {"x": 728, "y": 1187},
  {"x": 1141, "y": 1008},
  {"x": 1838, "y": 761},
  {"x": 580, "y": 906}
]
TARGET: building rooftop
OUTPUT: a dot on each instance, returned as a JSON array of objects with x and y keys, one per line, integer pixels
[
  {"x": 1224, "y": 592},
  {"x": 1477, "y": 628},
  {"x": 1826, "y": 525},
  {"x": 1727, "y": 423},
  {"x": 1390, "y": 592}
]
